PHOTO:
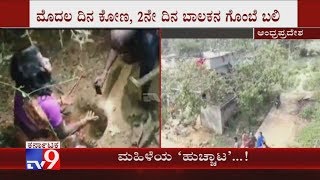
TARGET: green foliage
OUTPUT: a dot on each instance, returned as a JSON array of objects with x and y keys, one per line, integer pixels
[
  {"x": 6, "y": 138},
  {"x": 255, "y": 81},
  {"x": 259, "y": 79},
  {"x": 185, "y": 83},
  {"x": 316, "y": 95},
  {"x": 189, "y": 48},
  {"x": 271, "y": 68},
  {"x": 5, "y": 54},
  {"x": 313, "y": 83},
  {"x": 309, "y": 136},
  {"x": 315, "y": 64},
  {"x": 312, "y": 48},
  {"x": 309, "y": 113},
  {"x": 193, "y": 47}
]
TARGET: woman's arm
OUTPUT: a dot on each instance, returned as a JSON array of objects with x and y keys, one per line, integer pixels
[
  {"x": 64, "y": 130},
  {"x": 52, "y": 110}
]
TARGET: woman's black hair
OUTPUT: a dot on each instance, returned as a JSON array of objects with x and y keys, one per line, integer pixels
[{"x": 28, "y": 73}]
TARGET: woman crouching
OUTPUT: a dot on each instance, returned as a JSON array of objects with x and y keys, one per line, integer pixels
[{"x": 32, "y": 75}]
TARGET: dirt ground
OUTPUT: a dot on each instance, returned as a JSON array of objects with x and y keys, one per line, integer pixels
[
  {"x": 116, "y": 107},
  {"x": 281, "y": 126},
  {"x": 174, "y": 134}
]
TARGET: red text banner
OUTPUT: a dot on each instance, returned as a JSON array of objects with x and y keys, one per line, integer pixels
[
  {"x": 287, "y": 33},
  {"x": 174, "y": 158},
  {"x": 161, "y": 174},
  {"x": 308, "y": 13},
  {"x": 14, "y": 13}
]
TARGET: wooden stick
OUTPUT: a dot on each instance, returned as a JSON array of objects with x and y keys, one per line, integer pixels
[
  {"x": 59, "y": 90},
  {"x": 146, "y": 78},
  {"x": 75, "y": 85},
  {"x": 83, "y": 74}
]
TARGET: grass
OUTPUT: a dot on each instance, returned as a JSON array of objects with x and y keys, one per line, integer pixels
[
  {"x": 313, "y": 83},
  {"x": 315, "y": 64},
  {"x": 6, "y": 93},
  {"x": 292, "y": 71},
  {"x": 297, "y": 67},
  {"x": 6, "y": 138},
  {"x": 309, "y": 113},
  {"x": 221, "y": 141},
  {"x": 310, "y": 135}
]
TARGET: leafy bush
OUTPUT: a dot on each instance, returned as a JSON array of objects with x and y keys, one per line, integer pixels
[
  {"x": 316, "y": 95},
  {"x": 313, "y": 83},
  {"x": 255, "y": 82},
  {"x": 187, "y": 82},
  {"x": 260, "y": 79},
  {"x": 309, "y": 113},
  {"x": 310, "y": 135},
  {"x": 189, "y": 48},
  {"x": 193, "y": 47},
  {"x": 6, "y": 138}
]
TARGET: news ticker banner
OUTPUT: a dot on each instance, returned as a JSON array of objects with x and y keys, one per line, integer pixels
[
  {"x": 162, "y": 174},
  {"x": 158, "y": 14},
  {"x": 251, "y": 33},
  {"x": 50, "y": 157}
]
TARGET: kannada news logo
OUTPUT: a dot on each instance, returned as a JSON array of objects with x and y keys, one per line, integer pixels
[{"x": 42, "y": 155}]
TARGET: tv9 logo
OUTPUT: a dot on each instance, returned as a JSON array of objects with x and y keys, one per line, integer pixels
[{"x": 47, "y": 158}]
